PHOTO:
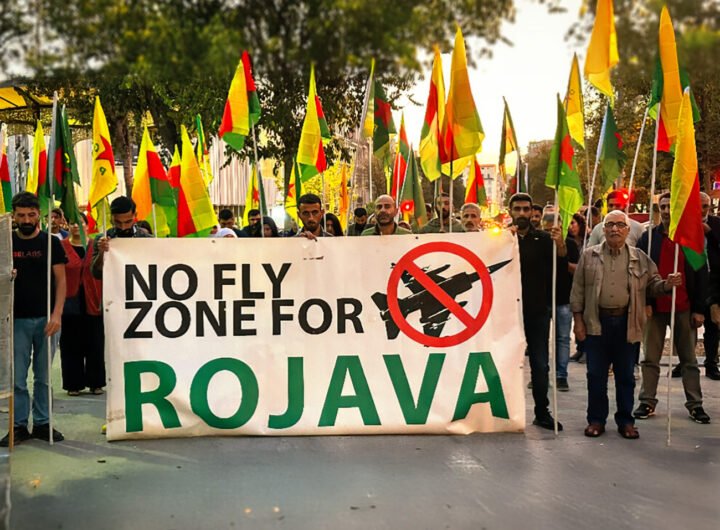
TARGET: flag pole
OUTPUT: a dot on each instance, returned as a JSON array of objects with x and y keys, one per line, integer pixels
[
  {"x": 527, "y": 177},
  {"x": 51, "y": 204},
  {"x": 595, "y": 169},
  {"x": 553, "y": 328},
  {"x": 11, "y": 398},
  {"x": 451, "y": 198},
  {"x": 370, "y": 162},
  {"x": 652, "y": 177},
  {"x": 154, "y": 218},
  {"x": 672, "y": 343},
  {"x": 637, "y": 152},
  {"x": 260, "y": 187}
]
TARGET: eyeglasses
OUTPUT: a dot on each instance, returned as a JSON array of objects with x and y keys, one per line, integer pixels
[{"x": 619, "y": 225}]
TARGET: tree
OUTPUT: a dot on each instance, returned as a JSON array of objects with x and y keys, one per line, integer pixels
[
  {"x": 697, "y": 30},
  {"x": 176, "y": 59}
]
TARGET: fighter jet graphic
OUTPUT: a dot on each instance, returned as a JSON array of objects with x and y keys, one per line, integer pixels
[{"x": 433, "y": 315}]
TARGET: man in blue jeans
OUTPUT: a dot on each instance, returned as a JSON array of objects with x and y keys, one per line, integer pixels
[
  {"x": 608, "y": 302},
  {"x": 31, "y": 326},
  {"x": 563, "y": 315}
]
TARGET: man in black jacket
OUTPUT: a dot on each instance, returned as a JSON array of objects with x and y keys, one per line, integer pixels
[
  {"x": 711, "y": 226},
  {"x": 689, "y": 315},
  {"x": 536, "y": 250}
]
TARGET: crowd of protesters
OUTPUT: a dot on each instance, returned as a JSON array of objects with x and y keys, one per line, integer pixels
[{"x": 612, "y": 286}]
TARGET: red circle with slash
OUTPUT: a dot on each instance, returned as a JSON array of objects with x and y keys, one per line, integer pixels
[{"x": 472, "y": 323}]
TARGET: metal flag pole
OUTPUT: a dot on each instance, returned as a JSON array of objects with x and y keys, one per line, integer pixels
[
  {"x": 527, "y": 178},
  {"x": 652, "y": 177},
  {"x": 637, "y": 152},
  {"x": 672, "y": 345},
  {"x": 51, "y": 204},
  {"x": 260, "y": 187},
  {"x": 595, "y": 169},
  {"x": 553, "y": 328}
]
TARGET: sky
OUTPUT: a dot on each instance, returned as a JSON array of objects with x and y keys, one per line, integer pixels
[{"x": 529, "y": 74}]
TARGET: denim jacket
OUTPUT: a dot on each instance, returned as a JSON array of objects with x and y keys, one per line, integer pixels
[{"x": 643, "y": 280}]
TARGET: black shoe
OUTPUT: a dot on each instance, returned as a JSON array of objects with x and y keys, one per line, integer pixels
[
  {"x": 677, "y": 372},
  {"x": 644, "y": 411},
  {"x": 562, "y": 384},
  {"x": 42, "y": 432},
  {"x": 699, "y": 415},
  {"x": 546, "y": 422},
  {"x": 713, "y": 373},
  {"x": 577, "y": 357},
  {"x": 21, "y": 435}
]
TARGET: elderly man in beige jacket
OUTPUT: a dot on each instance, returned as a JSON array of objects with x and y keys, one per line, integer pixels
[{"x": 608, "y": 296}]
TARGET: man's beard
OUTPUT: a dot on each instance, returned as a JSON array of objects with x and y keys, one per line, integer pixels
[
  {"x": 27, "y": 229},
  {"x": 522, "y": 222}
]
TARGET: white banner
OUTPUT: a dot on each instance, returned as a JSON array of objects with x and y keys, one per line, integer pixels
[{"x": 370, "y": 335}]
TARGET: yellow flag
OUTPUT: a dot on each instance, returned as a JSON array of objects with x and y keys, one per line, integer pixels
[
  {"x": 344, "y": 199},
  {"x": 672, "y": 93},
  {"x": 574, "y": 106},
  {"x": 252, "y": 197},
  {"x": 602, "y": 52},
  {"x": 195, "y": 211},
  {"x": 141, "y": 180},
  {"x": 429, "y": 149},
  {"x": 369, "y": 119},
  {"x": 39, "y": 167},
  {"x": 104, "y": 180}
]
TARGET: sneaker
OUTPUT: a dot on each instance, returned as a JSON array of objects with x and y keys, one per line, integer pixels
[
  {"x": 644, "y": 411},
  {"x": 21, "y": 435},
  {"x": 546, "y": 421},
  {"x": 699, "y": 415},
  {"x": 562, "y": 384},
  {"x": 712, "y": 373},
  {"x": 42, "y": 432},
  {"x": 577, "y": 357},
  {"x": 677, "y": 372}
]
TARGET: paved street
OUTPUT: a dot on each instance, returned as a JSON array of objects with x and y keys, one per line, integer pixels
[{"x": 479, "y": 481}]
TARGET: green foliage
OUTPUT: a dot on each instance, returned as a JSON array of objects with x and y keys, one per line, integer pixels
[
  {"x": 176, "y": 59},
  {"x": 697, "y": 32}
]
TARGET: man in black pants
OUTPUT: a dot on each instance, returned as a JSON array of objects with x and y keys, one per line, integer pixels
[{"x": 536, "y": 277}]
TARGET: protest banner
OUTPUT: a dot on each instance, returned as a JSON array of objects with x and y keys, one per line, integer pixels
[{"x": 277, "y": 336}]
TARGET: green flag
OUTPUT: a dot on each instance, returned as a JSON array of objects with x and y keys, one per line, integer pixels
[
  {"x": 384, "y": 124},
  {"x": 412, "y": 201},
  {"x": 66, "y": 172},
  {"x": 612, "y": 156},
  {"x": 562, "y": 174}
]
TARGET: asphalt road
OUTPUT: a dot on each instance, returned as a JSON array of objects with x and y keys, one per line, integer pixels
[{"x": 480, "y": 481}]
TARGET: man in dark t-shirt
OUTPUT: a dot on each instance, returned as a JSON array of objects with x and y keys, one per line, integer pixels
[{"x": 31, "y": 326}]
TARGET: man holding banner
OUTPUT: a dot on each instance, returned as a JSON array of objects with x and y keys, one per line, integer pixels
[{"x": 608, "y": 303}]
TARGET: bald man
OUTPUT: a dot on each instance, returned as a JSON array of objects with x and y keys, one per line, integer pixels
[{"x": 385, "y": 213}]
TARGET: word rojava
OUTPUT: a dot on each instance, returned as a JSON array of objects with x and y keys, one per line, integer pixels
[{"x": 178, "y": 316}]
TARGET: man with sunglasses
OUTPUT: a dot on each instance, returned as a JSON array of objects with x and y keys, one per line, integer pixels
[
  {"x": 689, "y": 315},
  {"x": 608, "y": 303}
]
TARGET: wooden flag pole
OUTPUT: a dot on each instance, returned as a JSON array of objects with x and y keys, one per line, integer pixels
[
  {"x": 652, "y": 177},
  {"x": 553, "y": 328},
  {"x": 637, "y": 152},
  {"x": 451, "y": 198},
  {"x": 672, "y": 345},
  {"x": 154, "y": 218},
  {"x": 370, "y": 164}
]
